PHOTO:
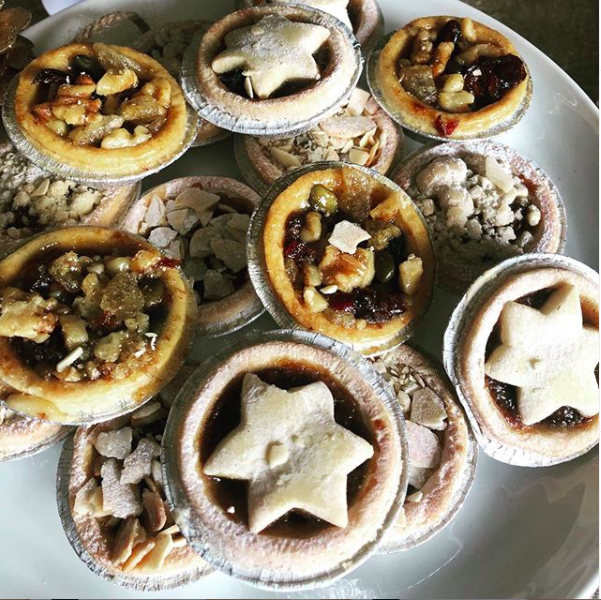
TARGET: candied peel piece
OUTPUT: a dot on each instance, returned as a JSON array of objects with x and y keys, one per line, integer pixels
[
  {"x": 119, "y": 500},
  {"x": 109, "y": 58},
  {"x": 122, "y": 297},
  {"x": 355, "y": 199}
]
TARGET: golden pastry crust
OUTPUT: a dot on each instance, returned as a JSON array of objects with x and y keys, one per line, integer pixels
[
  {"x": 421, "y": 117},
  {"x": 279, "y": 557},
  {"x": 303, "y": 105},
  {"x": 133, "y": 161},
  {"x": 89, "y": 400},
  {"x": 535, "y": 444},
  {"x": 374, "y": 335}
]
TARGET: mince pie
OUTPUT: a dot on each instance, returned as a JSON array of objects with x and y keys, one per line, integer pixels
[
  {"x": 484, "y": 203},
  {"x": 202, "y": 222},
  {"x": 31, "y": 201},
  {"x": 348, "y": 255},
  {"x": 441, "y": 450},
  {"x": 284, "y": 462},
  {"x": 447, "y": 77},
  {"x": 104, "y": 111},
  {"x": 93, "y": 322},
  {"x": 117, "y": 502},
  {"x": 527, "y": 359},
  {"x": 362, "y": 17},
  {"x": 273, "y": 70},
  {"x": 360, "y": 133}
]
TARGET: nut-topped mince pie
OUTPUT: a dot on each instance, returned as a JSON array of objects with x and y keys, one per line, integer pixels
[
  {"x": 527, "y": 360},
  {"x": 347, "y": 254},
  {"x": 282, "y": 461},
  {"x": 441, "y": 450},
  {"x": 360, "y": 133},
  {"x": 362, "y": 17},
  {"x": 93, "y": 322},
  {"x": 484, "y": 203},
  {"x": 203, "y": 222},
  {"x": 106, "y": 111},
  {"x": 116, "y": 499},
  {"x": 275, "y": 69},
  {"x": 447, "y": 77}
]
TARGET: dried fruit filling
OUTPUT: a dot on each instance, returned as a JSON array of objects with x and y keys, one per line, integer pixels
[
  {"x": 452, "y": 70},
  {"x": 76, "y": 317},
  {"x": 106, "y": 100},
  {"x": 347, "y": 257}
]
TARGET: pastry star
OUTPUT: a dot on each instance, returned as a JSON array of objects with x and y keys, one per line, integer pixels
[
  {"x": 272, "y": 52},
  {"x": 291, "y": 451},
  {"x": 549, "y": 355},
  {"x": 336, "y": 8}
]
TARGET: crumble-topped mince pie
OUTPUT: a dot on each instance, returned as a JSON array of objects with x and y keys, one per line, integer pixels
[
  {"x": 203, "y": 222},
  {"x": 104, "y": 110},
  {"x": 348, "y": 255},
  {"x": 275, "y": 69},
  {"x": 362, "y": 17},
  {"x": 528, "y": 360},
  {"x": 31, "y": 201},
  {"x": 117, "y": 500},
  {"x": 484, "y": 203},
  {"x": 360, "y": 133},
  {"x": 93, "y": 322},
  {"x": 441, "y": 451},
  {"x": 285, "y": 459},
  {"x": 451, "y": 78}
]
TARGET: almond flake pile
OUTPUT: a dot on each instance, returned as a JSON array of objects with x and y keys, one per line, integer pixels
[
  {"x": 476, "y": 208},
  {"x": 351, "y": 135},
  {"x": 31, "y": 201},
  {"x": 206, "y": 234},
  {"x": 425, "y": 415},
  {"x": 126, "y": 493}
]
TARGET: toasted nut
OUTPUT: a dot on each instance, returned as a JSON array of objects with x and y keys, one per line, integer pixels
[
  {"x": 142, "y": 109},
  {"x": 488, "y": 50},
  {"x": 312, "y": 229},
  {"x": 121, "y": 138},
  {"x": 154, "y": 508},
  {"x": 311, "y": 275},
  {"x": 139, "y": 552},
  {"x": 456, "y": 102},
  {"x": 314, "y": 300},
  {"x": 421, "y": 52},
  {"x": 72, "y": 115},
  {"x": 116, "y": 81},
  {"x": 58, "y": 126},
  {"x": 159, "y": 89},
  {"x": 149, "y": 413},
  {"x": 76, "y": 91},
  {"x": 467, "y": 30},
  {"x": 411, "y": 272},
  {"x": 155, "y": 560},
  {"x": 442, "y": 54},
  {"x": 130, "y": 532},
  {"x": 453, "y": 83}
]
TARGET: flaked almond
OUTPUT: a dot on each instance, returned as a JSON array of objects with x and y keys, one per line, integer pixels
[
  {"x": 149, "y": 413},
  {"x": 347, "y": 127},
  {"x": 130, "y": 532},
  {"x": 138, "y": 554},
  {"x": 154, "y": 511},
  {"x": 155, "y": 559}
]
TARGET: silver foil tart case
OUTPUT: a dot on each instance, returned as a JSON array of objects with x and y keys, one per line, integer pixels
[
  {"x": 284, "y": 127},
  {"x": 422, "y": 136},
  {"x": 258, "y": 270},
  {"x": 53, "y": 166},
  {"x": 457, "y": 275},
  {"x": 183, "y": 510},
  {"x": 139, "y": 583},
  {"x": 460, "y": 320}
]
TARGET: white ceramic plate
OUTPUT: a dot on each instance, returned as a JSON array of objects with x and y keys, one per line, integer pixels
[{"x": 523, "y": 533}]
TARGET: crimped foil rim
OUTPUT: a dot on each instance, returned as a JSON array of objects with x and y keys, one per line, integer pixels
[
  {"x": 258, "y": 271},
  {"x": 423, "y": 137},
  {"x": 471, "y": 301},
  {"x": 55, "y": 167},
  {"x": 176, "y": 496},
  {"x": 47, "y": 443},
  {"x": 222, "y": 118}
]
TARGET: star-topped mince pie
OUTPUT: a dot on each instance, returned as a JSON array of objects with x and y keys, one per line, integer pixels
[
  {"x": 450, "y": 78},
  {"x": 283, "y": 463},
  {"x": 274, "y": 69},
  {"x": 528, "y": 365},
  {"x": 105, "y": 111},
  {"x": 346, "y": 254},
  {"x": 93, "y": 322}
]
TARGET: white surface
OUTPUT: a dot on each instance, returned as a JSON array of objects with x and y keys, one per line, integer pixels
[
  {"x": 522, "y": 532},
  {"x": 53, "y": 6}
]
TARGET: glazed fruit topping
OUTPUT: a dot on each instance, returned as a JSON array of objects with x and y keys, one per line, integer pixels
[{"x": 488, "y": 79}]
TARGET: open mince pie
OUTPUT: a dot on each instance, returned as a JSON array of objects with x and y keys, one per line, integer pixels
[
  {"x": 31, "y": 201},
  {"x": 451, "y": 78},
  {"x": 21, "y": 436},
  {"x": 167, "y": 45},
  {"x": 285, "y": 463},
  {"x": 441, "y": 451},
  {"x": 93, "y": 322},
  {"x": 108, "y": 111},
  {"x": 527, "y": 364},
  {"x": 483, "y": 203},
  {"x": 275, "y": 69},
  {"x": 117, "y": 501},
  {"x": 362, "y": 17},
  {"x": 360, "y": 133},
  {"x": 348, "y": 255},
  {"x": 203, "y": 222}
]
